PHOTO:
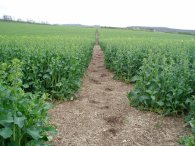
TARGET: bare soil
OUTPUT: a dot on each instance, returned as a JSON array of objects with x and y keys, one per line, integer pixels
[{"x": 101, "y": 115}]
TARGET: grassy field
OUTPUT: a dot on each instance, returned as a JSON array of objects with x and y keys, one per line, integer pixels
[
  {"x": 37, "y": 62},
  {"x": 161, "y": 64}
]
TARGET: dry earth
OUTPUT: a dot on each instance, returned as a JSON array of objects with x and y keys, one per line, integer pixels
[{"x": 101, "y": 116}]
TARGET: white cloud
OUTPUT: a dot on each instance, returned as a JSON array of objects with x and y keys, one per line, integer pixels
[{"x": 169, "y": 13}]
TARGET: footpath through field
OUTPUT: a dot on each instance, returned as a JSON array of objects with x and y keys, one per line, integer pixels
[{"x": 101, "y": 116}]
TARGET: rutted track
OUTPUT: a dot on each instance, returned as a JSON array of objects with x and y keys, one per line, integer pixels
[{"x": 102, "y": 116}]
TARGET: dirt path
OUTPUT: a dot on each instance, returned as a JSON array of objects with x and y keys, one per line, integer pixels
[{"x": 101, "y": 116}]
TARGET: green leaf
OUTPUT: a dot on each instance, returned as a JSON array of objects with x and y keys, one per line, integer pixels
[
  {"x": 160, "y": 103},
  {"x": 143, "y": 98},
  {"x": 36, "y": 143},
  {"x": 132, "y": 94},
  {"x": 149, "y": 92},
  {"x": 134, "y": 79},
  {"x": 6, "y": 132},
  {"x": 25, "y": 86},
  {"x": 59, "y": 84},
  {"x": 47, "y": 106},
  {"x": 153, "y": 97},
  {"x": 46, "y": 76},
  {"x": 52, "y": 130},
  {"x": 192, "y": 123},
  {"x": 34, "y": 133},
  {"x": 193, "y": 130},
  {"x": 19, "y": 121},
  {"x": 6, "y": 118}
]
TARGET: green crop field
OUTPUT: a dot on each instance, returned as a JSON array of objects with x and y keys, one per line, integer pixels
[
  {"x": 54, "y": 58},
  {"x": 44, "y": 62},
  {"x": 162, "y": 66},
  {"x": 37, "y": 62}
]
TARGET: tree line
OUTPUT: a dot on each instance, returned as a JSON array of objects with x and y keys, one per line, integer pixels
[{"x": 10, "y": 18}]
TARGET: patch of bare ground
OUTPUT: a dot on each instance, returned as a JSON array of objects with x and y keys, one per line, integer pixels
[{"x": 101, "y": 116}]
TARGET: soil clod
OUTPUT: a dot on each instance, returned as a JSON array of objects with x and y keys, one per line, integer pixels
[
  {"x": 93, "y": 101},
  {"x": 108, "y": 89},
  {"x": 113, "y": 120}
]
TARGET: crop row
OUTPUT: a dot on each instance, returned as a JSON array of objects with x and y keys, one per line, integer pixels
[
  {"x": 162, "y": 65},
  {"x": 53, "y": 65},
  {"x": 38, "y": 62}
]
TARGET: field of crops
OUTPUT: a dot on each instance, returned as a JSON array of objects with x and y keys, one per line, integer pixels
[
  {"x": 54, "y": 57},
  {"x": 162, "y": 66},
  {"x": 37, "y": 62}
]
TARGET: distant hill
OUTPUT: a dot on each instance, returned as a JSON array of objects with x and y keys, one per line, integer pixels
[
  {"x": 162, "y": 29},
  {"x": 76, "y": 25},
  {"x": 80, "y": 25}
]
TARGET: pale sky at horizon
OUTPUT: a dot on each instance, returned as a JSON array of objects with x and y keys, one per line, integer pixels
[{"x": 119, "y": 13}]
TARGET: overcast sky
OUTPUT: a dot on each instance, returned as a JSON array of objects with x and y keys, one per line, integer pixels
[{"x": 122, "y": 13}]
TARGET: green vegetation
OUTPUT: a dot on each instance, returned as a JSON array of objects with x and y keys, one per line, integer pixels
[
  {"x": 37, "y": 62},
  {"x": 54, "y": 57},
  {"x": 161, "y": 64},
  {"x": 23, "y": 116}
]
